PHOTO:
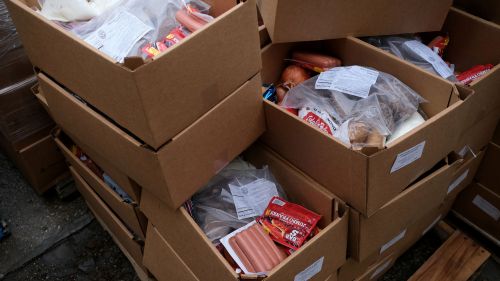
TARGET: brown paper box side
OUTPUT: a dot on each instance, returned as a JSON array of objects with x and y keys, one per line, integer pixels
[{"x": 487, "y": 174}]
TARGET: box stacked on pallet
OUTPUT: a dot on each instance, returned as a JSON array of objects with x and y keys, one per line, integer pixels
[
  {"x": 24, "y": 124},
  {"x": 374, "y": 154}
]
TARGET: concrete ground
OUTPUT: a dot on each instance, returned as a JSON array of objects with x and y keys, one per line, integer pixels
[{"x": 60, "y": 240}]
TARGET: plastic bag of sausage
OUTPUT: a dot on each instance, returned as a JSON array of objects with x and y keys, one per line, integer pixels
[
  {"x": 142, "y": 28},
  {"x": 411, "y": 49},
  {"x": 233, "y": 198},
  {"x": 357, "y": 105}
]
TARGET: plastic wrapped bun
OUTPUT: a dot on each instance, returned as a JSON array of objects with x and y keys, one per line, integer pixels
[
  {"x": 361, "y": 121},
  {"x": 400, "y": 47},
  {"x": 213, "y": 207}
]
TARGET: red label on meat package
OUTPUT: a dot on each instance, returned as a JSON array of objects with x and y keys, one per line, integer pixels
[{"x": 287, "y": 223}]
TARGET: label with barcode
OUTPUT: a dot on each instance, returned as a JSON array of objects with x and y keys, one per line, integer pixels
[
  {"x": 428, "y": 55},
  {"x": 352, "y": 80}
]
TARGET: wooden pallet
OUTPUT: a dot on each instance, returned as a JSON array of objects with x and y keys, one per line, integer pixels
[{"x": 456, "y": 260}]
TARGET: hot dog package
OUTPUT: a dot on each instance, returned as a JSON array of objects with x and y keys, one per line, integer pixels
[
  {"x": 357, "y": 105},
  {"x": 234, "y": 197},
  {"x": 288, "y": 224},
  {"x": 127, "y": 29},
  {"x": 411, "y": 49}
]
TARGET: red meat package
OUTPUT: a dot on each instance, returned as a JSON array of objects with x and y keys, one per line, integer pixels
[
  {"x": 287, "y": 223},
  {"x": 472, "y": 74}
]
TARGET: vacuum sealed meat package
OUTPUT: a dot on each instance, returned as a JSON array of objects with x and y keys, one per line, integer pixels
[
  {"x": 412, "y": 50},
  {"x": 233, "y": 198},
  {"x": 360, "y": 106},
  {"x": 129, "y": 28}
]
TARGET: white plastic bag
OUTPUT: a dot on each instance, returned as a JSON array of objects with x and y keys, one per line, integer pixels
[
  {"x": 360, "y": 121},
  {"x": 75, "y": 10}
]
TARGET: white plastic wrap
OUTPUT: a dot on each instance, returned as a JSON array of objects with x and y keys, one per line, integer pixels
[
  {"x": 359, "y": 121},
  {"x": 412, "y": 50},
  {"x": 123, "y": 31},
  {"x": 214, "y": 207},
  {"x": 75, "y": 10}
]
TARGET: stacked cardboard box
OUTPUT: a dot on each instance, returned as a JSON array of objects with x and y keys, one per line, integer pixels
[
  {"x": 24, "y": 124},
  {"x": 161, "y": 134}
]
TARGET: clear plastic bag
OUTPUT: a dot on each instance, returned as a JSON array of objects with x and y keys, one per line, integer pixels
[
  {"x": 9, "y": 39},
  {"x": 124, "y": 30},
  {"x": 360, "y": 122},
  {"x": 213, "y": 207},
  {"x": 412, "y": 50},
  {"x": 74, "y": 10}
]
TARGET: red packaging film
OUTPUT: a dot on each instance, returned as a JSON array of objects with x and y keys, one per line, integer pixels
[
  {"x": 439, "y": 43},
  {"x": 472, "y": 74},
  {"x": 288, "y": 224}
]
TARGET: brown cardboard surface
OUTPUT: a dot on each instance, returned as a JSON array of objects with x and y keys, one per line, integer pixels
[
  {"x": 40, "y": 162},
  {"x": 363, "y": 181},
  {"x": 113, "y": 224},
  {"x": 194, "y": 248},
  {"x": 128, "y": 213},
  {"x": 378, "y": 269},
  {"x": 480, "y": 133},
  {"x": 486, "y": 9},
  {"x": 157, "y": 100},
  {"x": 488, "y": 175},
  {"x": 484, "y": 214},
  {"x": 201, "y": 150},
  {"x": 496, "y": 136},
  {"x": 162, "y": 261},
  {"x": 296, "y": 20}
]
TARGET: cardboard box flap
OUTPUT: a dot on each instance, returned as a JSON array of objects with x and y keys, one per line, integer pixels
[
  {"x": 125, "y": 211},
  {"x": 296, "y": 20},
  {"x": 112, "y": 222}
]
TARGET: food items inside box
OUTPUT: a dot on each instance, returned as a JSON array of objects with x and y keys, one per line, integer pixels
[
  {"x": 245, "y": 213},
  {"x": 77, "y": 151},
  {"x": 429, "y": 57},
  {"x": 127, "y": 28},
  {"x": 359, "y": 106}
]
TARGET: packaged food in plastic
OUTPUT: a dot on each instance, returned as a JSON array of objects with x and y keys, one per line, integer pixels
[
  {"x": 252, "y": 249},
  {"x": 409, "y": 124},
  {"x": 233, "y": 198},
  {"x": 412, "y": 50},
  {"x": 288, "y": 224},
  {"x": 9, "y": 39},
  {"x": 75, "y": 10},
  {"x": 473, "y": 73},
  {"x": 126, "y": 29},
  {"x": 355, "y": 104}
]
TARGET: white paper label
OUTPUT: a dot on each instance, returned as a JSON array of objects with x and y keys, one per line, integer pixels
[
  {"x": 118, "y": 35},
  {"x": 310, "y": 271},
  {"x": 407, "y": 157},
  {"x": 432, "y": 225},
  {"x": 393, "y": 241},
  {"x": 352, "y": 80},
  {"x": 458, "y": 181},
  {"x": 427, "y": 54},
  {"x": 251, "y": 200},
  {"x": 486, "y": 207},
  {"x": 380, "y": 269}
]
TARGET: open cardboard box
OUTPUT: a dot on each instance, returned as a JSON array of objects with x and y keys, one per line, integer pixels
[
  {"x": 376, "y": 264},
  {"x": 365, "y": 181},
  {"x": 481, "y": 207},
  {"x": 488, "y": 174},
  {"x": 109, "y": 220},
  {"x": 317, "y": 259},
  {"x": 179, "y": 168},
  {"x": 465, "y": 50},
  {"x": 390, "y": 223},
  {"x": 154, "y": 100},
  {"x": 297, "y": 20},
  {"x": 128, "y": 212}
]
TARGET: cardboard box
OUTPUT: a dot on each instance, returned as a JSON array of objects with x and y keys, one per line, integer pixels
[
  {"x": 389, "y": 224},
  {"x": 362, "y": 180},
  {"x": 156, "y": 100},
  {"x": 481, "y": 207},
  {"x": 128, "y": 212},
  {"x": 486, "y": 9},
  {"x": 465, "y": 50},
  {"x": 479, "y": 134},
  {"x": 296, "y": 20},
  {"x": 496, "y": 136},
  {"x": 109, "y": 220},
  {"x": 325, "y": 253},
  {"x": 179, "y": 168},
  {"x": 21, "y": 116},
  {"x": 487, "y": 174},
  {"x": 376, "y": 264}
]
